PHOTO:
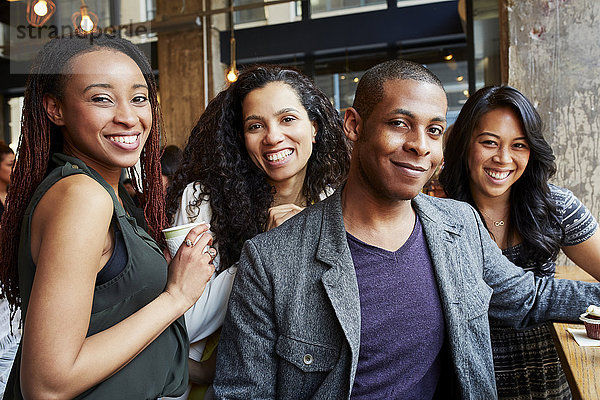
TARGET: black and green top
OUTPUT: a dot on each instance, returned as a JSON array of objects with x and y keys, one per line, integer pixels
[{"x": 159, "y": 370}]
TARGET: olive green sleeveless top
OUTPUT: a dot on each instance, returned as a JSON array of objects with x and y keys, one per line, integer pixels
[{"x": 159, "y": 370}]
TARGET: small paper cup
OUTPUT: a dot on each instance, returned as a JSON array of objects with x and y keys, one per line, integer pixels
[
  {"x": 592, "y": 326},
  {"x": 176, "y": 235}
]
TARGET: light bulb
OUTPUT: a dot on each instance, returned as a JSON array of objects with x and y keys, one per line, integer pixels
[
  {"x": 86, "y": 23},
  {"x": 232, "y": 75},
  {"x": 41, "y": 8}
]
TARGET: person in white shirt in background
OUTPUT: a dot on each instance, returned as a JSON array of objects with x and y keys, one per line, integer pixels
[
  {"x": 265, "y": 148},
  {"x": 10, "y": 334}
]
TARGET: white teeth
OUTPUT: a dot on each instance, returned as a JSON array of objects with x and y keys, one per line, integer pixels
[
  {"x": 497, "y": 175},
  {"x": 279, "y": 156},
  {"x": 123, "y": 139}
]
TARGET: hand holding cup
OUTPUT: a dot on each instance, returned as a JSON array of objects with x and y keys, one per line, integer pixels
[
  {"x": 176, "y": 236},
  {"x": 191, "y": 267}
]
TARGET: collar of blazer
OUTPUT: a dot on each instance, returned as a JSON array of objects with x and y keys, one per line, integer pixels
[
  {"x": 436, "y": 216},
  {"x": 441, "y": 228}
]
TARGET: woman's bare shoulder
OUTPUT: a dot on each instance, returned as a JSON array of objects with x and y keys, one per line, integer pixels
[{"x": 76, "y": 199}]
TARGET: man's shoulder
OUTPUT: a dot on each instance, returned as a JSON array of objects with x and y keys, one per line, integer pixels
[{"x": 443, "y": 208}]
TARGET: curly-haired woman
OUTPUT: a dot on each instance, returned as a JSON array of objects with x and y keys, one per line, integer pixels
[
  {"x": 99, "y": 304},
  {"x": 497, "y": 159},
  {"x": 264, "y": 148}
]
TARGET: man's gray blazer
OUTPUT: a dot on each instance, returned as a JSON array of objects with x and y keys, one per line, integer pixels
[{"x": 292, "y": 330}]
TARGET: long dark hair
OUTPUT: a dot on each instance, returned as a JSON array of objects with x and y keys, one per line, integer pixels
[
  {"x": 40, "y": 138},
  {"x": 532, "y": 210},
  {"x": 215, "y": 157}
]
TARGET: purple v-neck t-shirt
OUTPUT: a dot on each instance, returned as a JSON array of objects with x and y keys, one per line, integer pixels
[{"x": 402, "y": 325}]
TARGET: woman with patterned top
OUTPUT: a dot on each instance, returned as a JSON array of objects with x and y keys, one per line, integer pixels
[{"x": 497, "y": 160}]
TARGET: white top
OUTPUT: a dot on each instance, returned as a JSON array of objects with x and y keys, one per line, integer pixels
[
  {"x": 207, "y": 315},
  {"x": 5, "y": 323}
]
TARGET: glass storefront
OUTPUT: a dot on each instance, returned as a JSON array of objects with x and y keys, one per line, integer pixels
[
  {"x": 338, "y": 77},
  {"x": 336, "y": 73}
]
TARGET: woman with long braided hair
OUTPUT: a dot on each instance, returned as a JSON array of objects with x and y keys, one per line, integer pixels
[{"x": 98, "y": 303}]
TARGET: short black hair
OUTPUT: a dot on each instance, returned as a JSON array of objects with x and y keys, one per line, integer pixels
[
  {"x": 370, "y": 88},
  {"x": 4, "y": 150},
  {"x": 170, "y": 160}
]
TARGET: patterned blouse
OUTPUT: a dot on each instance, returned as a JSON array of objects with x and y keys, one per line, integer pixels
[{"x": 578, "y": 222}]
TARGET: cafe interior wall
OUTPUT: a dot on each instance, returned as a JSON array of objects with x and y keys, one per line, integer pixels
[
  {"x": 188, "y": 61},
  {"x": 553, "y": 53}
]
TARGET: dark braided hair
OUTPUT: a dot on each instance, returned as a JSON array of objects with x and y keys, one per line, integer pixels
[
  {"x": 532, "y": 210},
  {"x": 40, "y": 138},
  {"x": 216, "y": 158}
]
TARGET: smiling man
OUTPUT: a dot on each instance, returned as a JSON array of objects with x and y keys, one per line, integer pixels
[{"x": 381, "y": 292}]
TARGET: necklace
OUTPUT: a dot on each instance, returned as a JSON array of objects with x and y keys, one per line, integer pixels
[{"x": 497, "y": 223}]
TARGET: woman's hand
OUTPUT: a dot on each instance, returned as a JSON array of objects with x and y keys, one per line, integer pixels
[
  {"x": 191, "y": 267},
  {"x": 203, "y": 372},
  {"x": 279, "y": 214}
]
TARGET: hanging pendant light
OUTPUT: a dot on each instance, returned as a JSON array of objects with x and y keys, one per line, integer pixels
[
  {"x": 232, "y": 73},
  {"x": 84, "y": 20},
  {"x": 39, "y": 11}
]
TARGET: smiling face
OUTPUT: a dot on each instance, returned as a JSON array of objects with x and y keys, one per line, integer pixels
[
  {"x": 104, "y": 113},
  {"x": 278, "y": 133},
  {"x": 399, "y": 146},
  {"x": 498, "y": 153},
  {"x": 8, "y": 159}
]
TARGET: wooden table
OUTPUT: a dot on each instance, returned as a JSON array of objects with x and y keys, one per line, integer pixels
[{"x": 581, "y": 364}]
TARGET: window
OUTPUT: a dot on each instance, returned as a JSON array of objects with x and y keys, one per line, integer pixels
[
  {"x": 270, "y": 15},
  {"x": 339, "y": 76},
  {"x": 332, "y": 7}
]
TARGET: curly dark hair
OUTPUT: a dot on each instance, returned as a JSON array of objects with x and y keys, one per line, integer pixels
[
  {"x": 215, "y": 157},
  {"x": 40, "y": 138},
  {"x": 533, "y": 213}
]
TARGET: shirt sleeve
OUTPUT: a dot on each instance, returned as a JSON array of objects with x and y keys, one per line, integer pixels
[
  {"x": 187, "y": 212},
  {"x": 208, "y": 313},
  {"x": 578, "y": 222}
]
